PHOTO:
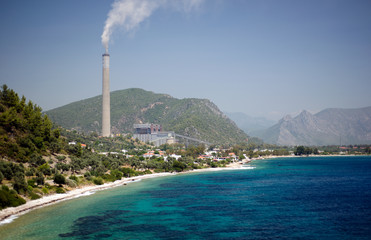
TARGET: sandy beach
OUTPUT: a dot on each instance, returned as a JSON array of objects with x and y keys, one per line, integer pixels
[{"x": 7, "y": 214}]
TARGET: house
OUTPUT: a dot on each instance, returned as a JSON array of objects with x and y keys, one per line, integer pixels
[
  {"x": 219, "y": 159},
  {"x": 156, "y": 153},
  {"x": 232, "y": 156},
  {"x": 211, "y": 153},
  {"x": 175, "y": 156},
  {"x": 148, "y": 154},
  {"x": 205, "y": 156}
]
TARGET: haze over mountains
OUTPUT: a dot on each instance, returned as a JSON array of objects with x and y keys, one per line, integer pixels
[
  {"x": 333, "y": 126},
  {"x": 248, "y": 123},
  {"x": 197, "y": 118}
]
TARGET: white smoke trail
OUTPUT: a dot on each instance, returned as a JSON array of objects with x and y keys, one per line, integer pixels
[{"x": 130, "y": 13}]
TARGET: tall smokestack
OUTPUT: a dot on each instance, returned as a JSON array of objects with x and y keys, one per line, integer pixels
[{"x": 106, "y": 115}]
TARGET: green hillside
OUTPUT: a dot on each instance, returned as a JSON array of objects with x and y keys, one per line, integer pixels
[
  {"x": 198, "y": 118},
  {"x": 24, "y": 131}
]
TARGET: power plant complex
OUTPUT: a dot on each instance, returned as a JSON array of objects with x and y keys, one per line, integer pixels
[
  {"x": 152, "y": 133},
  {"x": 149, "y": 132},
  {"x": 106, "y": 105}
]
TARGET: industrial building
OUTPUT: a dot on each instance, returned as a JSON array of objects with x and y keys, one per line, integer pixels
[{"x": 152, "y": 133}]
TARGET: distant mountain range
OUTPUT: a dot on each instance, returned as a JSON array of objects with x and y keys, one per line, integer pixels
[
  {"x": 248, "y": 123},
  {"x": 329, "y": 127},
  {"x": 197, "y": 118}
]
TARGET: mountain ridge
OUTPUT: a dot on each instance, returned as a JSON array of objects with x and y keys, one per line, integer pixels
[
  {"x": 197, "y": 118},
  {"x": 331, "y": 126}
]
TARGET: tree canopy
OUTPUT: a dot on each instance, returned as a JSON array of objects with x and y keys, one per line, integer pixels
[{"x": 24, "y": 130}]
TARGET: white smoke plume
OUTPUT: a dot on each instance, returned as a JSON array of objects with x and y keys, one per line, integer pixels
[{"x": 130, "y": 13}]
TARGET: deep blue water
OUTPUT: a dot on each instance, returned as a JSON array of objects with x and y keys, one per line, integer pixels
[{"x": 286, "y": 198}]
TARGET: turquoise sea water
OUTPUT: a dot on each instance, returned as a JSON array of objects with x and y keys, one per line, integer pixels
[{"x": 286, "y": 198}]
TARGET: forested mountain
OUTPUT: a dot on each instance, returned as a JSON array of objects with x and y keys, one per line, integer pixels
[
  {"x": 198, "y": 118},
  {"x": 329, "y": 127}
]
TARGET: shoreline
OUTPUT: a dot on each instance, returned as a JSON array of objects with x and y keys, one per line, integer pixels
[
  {"x": 10, "y": 213},
  {"x": 77, "y": 192}
]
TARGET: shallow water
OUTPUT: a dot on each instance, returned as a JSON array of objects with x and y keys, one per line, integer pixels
[{"x": 287, "y": 198}]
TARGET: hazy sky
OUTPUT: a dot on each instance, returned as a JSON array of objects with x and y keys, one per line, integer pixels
[{"x": 261, "y": 57}]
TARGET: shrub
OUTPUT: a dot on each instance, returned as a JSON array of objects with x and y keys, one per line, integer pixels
[
  {"x": 73, "y": 177},
  {"x": 116, "y": 174},
  {"x": 40, "y": 179},
  {"x": 30, "y": 172},
  {"x": 61, "y": 158},
  {"x": 45, "y": 169},
  {"x": 71, "y": 183},
  {"x": 108, "y": 177},
  {"x": 45, "y": 190},
  {"x": 179, "y": 166},
  {"x": 31, "y": 182},
  {"x": 38, "y": 191},
  {"x": 9, "y": 198},
  {"x": 59, "y": 179},
  {"x": 20, "y": 184},
  {"x": 60, "y": 190},
  {"x": 128, "y": 172},
  {"x": 146, "y": 172},
  {"x": 34, "y": 196},
  {"x": 87, "y": 175},
  {"x": 98, "y": 181}
]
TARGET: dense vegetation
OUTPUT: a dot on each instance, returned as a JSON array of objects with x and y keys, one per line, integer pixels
[
  {"x": 198, "y": 118},
  {"x": 25, "y": 135},
  {"x": 24, "y": 131},
  {"x": 9, "y": 198}
]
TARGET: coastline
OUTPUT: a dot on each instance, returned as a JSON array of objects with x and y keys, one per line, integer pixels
[
  {"x": 7, "y": 214},
  {"x": 55, "y": 198},
  {"x": 10, "y": 213}
]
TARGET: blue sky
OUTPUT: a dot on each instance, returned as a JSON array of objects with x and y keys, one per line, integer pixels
[{"x": 263, "y": 57}]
